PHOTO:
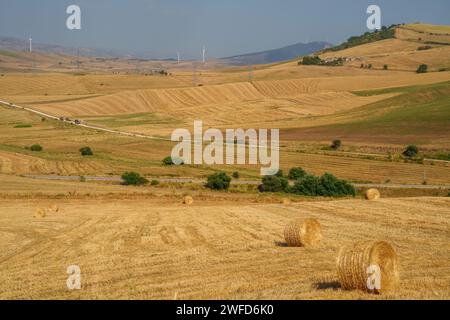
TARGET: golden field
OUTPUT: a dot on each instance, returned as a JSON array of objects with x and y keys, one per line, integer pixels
[
  {"x": 143, "y": 243},
  {"x": 150, "y": 249}
]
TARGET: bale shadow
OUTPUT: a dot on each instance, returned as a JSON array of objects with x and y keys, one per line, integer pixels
[
  {"x": 281, "y": 244},
  {"x": 326, "y": 285}
]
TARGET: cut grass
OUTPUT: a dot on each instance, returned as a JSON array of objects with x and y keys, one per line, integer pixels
[{"x": 126, "y": 120}]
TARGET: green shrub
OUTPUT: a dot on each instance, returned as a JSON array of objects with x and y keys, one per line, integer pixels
[
  {"x": 236, "y": 175},
  {"x": 219, "y": 181},
  {"x": 333, "y": 187},
  {"x": 279, "y": 173},
  {"x": 20, "y": 126},
  {"x": 336, "y": 144},
  {"x": 169, "y": 161},
  {"x": 307, "y": 186},
  {"x": 296, "y": 173},
  {"x": 411, "y": 151},
  {"x": 36, "y": 148},
  {"x": 86, "y": 151},
  {"x": 273, "y": 184},
  {"x": 82, "y": 179},
  {"x": 385, "y": 67},
  {"x": 133, "y": 179},
  {"x": 154, "y": 182},
  {"x": 326, "y": 186},
  {"x": 423, "y": 68}
]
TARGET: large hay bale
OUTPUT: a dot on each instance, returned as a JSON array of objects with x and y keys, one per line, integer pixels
[
  {"x": 188, "y": 200},
  {"x": 354, "y": 260},
  {"x": 303, "y": 233},
  {"x": 40, "y": 213},
  {"x": 373, "y": 194}
]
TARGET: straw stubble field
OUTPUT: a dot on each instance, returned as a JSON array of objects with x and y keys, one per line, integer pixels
[{"x": 154, "y": 249}]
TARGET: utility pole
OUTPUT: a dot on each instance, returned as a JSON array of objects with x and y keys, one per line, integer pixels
[
  {"x": 194, "y": 74},
  {"x": 78, "y": 58}
]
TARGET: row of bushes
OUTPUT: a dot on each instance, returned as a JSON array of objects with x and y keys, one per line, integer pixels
[
  {"x": 85, "y": 151},
  {"x": 368, "y": 37},
  {"x": 307, "y": 184},
  {"x": 317, "y": 61}
]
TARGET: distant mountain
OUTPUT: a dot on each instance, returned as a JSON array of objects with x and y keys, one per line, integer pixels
[
  {"x": 277, "y": 55},
  {"x": 15, "y": 44},
  {"x": 269, "y": 56}
]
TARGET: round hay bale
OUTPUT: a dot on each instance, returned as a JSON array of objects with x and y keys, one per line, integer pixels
[
  {"x": 303, "y": 233},
  {"x": 286, "y": 201},
  {"x": 188, "y": 200},
  {"x": 354, "y": 260},
  {"x": 40, "y": 213},
  {"x": 373, "y": 194}
]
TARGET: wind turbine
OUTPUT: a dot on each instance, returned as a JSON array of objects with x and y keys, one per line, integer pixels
[
  {"x": 204, "y": 54},
  {"x": 178, "y": 57},
  {"x": 31, "y": 44}
]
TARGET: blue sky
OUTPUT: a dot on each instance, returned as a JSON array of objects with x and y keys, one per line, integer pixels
[{"x": 160, "y": 28}]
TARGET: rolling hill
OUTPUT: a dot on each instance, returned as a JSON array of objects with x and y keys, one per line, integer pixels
[{"x": 277, "y": 55}]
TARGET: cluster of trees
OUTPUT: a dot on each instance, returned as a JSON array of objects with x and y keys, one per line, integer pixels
[
  {"x": 317, "y": 61},
  {"x": 307, "y": 184},
  {"x": 368, "y": 37}
]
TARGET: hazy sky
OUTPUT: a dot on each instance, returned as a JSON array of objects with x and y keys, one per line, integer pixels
[{"x": 226, "y": 27}]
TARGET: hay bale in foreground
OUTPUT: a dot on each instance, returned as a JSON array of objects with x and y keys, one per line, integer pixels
[
  {"x": 40, "y": 213},
  {"x": 188, "y": 200},
  {"x": 303, "y": 233},
  {"x": 373, "y": 194},
  {"x": 354, "y": 260}
]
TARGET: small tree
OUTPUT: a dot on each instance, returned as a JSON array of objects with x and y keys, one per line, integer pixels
[
  {"x": 296, "y": 173},
  {"x": 154, "y": 182},
  {"x": 423, "y": 68},
  {"x": 236, "y": 175},
  {"x": 336, "y": 144},
  {"x": 169, "y": 161},
  {"x": 86, "y": 151},
  {"x": 133, "y": 179},
  {"x": 411, "y": 151},
  {"x": 385, "y": 67},
  {"x": 218, "y": 181},
  {"x": 36, "y": 148}
]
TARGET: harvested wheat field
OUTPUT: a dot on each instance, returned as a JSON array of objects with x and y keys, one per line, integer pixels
[{"x": 151, "y": 249}]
